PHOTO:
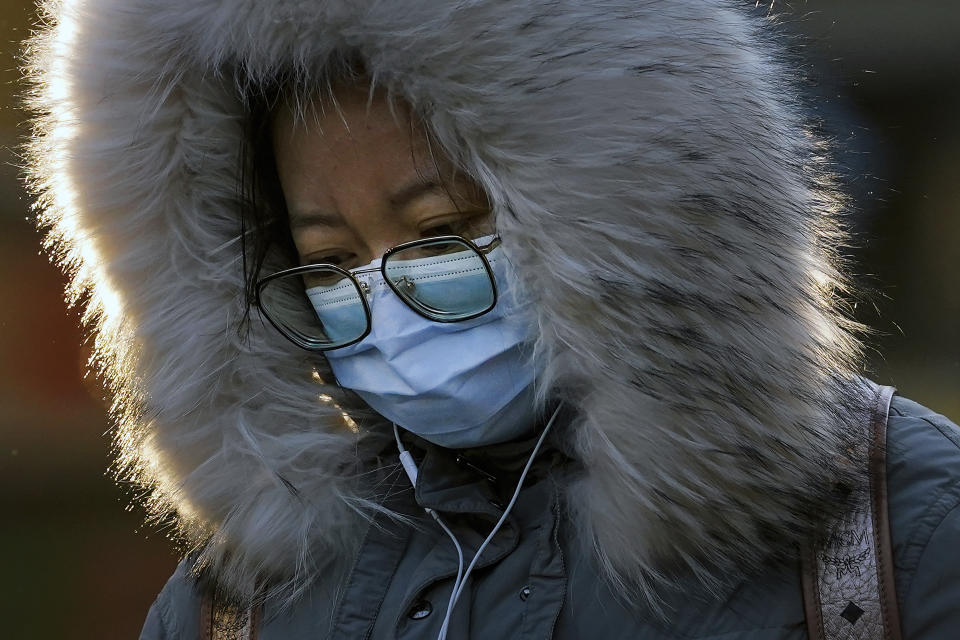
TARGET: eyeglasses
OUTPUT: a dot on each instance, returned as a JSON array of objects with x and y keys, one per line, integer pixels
[{"x": 320, "y": 307}]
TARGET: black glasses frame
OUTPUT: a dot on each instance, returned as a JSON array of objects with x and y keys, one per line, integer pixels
[{"x": 363, "y": 289}]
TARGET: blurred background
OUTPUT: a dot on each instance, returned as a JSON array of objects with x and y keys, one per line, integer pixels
[{"x": 885, "y": 76}]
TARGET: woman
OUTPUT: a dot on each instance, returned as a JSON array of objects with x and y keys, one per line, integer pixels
[{"x": 623, "y": 418}]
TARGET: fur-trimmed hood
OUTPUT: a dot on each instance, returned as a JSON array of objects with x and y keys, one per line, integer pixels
[{"x": 654, "y": 183}]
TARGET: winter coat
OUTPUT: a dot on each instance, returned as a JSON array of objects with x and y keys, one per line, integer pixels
[
  {"x": 669, "y": 215},
  {"x": 536, "y": 583}
]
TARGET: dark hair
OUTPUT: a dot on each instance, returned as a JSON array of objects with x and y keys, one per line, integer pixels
[
  {"x": 263, "y": 211},
  {"x": 264, "y": 221}
]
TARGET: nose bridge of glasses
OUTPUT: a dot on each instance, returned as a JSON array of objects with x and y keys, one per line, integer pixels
[{"x": 362, "y": 277}]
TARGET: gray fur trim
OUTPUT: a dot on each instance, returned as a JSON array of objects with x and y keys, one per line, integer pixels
[{"x": 654, "y": 183}]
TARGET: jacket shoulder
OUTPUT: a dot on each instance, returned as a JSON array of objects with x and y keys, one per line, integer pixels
[
  {"x": 175, "y": 614},
  {"x": 923, "y": 476}
]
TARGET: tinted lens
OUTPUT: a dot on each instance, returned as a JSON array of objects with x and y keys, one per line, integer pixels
[
  {"x": 446, "y": 280},
  {"x": 318, "y": 309}
]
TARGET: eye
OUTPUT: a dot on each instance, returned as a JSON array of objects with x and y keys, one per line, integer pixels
[
  {"x": 467, "y": 224},
  {"x": 445, "y": 229},
  {"x": 342, "y": 260}
]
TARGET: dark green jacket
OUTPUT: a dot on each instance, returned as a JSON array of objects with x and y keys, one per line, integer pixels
[{"x": 533, "y": 584}]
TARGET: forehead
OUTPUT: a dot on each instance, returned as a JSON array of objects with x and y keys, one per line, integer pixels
[
  {"x": 353, "y": 145},
  {"x": 348, "y": 124}
]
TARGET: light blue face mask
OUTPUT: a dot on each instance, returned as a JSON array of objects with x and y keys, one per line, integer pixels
[{"x": 456, "y": 384}]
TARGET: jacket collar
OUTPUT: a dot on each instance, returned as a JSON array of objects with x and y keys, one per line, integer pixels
[{"x": 479, "y": 480}]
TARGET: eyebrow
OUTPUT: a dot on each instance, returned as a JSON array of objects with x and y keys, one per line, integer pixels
[
  {"x": 403, "y": 196},
  {"x": 398, "y": 199},
  {"x": 311, "y": 218}
]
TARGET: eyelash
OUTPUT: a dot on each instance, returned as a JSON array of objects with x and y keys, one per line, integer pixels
[
  {"x": 456, "y": 226},
  {"x": 336, "y": 259},
  {"x": 440, "y": 226},
  {"x": 442, "y": 229}
]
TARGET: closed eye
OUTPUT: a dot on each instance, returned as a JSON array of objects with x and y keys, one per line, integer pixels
[
  {"x": 342, "y": 260},
  {"x": 467, "y": 224}
]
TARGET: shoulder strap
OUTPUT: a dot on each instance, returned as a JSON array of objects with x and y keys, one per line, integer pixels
[
  {"x": 220, "y": 621},
  {"x": 848, "y": 583}
]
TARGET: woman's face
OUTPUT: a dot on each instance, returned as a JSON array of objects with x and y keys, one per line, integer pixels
[{"x": 359, "y": 180}]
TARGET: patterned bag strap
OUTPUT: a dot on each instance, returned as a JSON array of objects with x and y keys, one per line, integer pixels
[
  {"x": 220, "y": 621},
  {"x": 848, "y": 583}
]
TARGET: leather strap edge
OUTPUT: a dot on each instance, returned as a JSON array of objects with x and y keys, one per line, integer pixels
[
  {"x": 812, "y": 607},
  {"x": 255, "y": 614},
  {"x": 206, "y": 618},
  {"x": 881, "y": 519}
]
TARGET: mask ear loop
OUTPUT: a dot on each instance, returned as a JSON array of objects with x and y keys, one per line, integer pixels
[{"x": 411, "y": 468}]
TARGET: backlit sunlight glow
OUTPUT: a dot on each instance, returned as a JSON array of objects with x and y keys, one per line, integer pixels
[
  {"x": 824, "y": 281},
  {"x": 823, "y": 293},
  {"x": 63, "y": 213},
  {"x": 58, "y": 86},
  {"x": 77, "y": 249},
  {"x": 326, "y": 399},
  {"x": 152, "y": 472},
  {"x": 350, "y": 422}
]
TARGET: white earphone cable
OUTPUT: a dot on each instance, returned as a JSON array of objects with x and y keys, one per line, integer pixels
[
  {"x": 460, "y": 576},
  {"x": 458, "y": 589},
  {"x": 411, "y": 468}
]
